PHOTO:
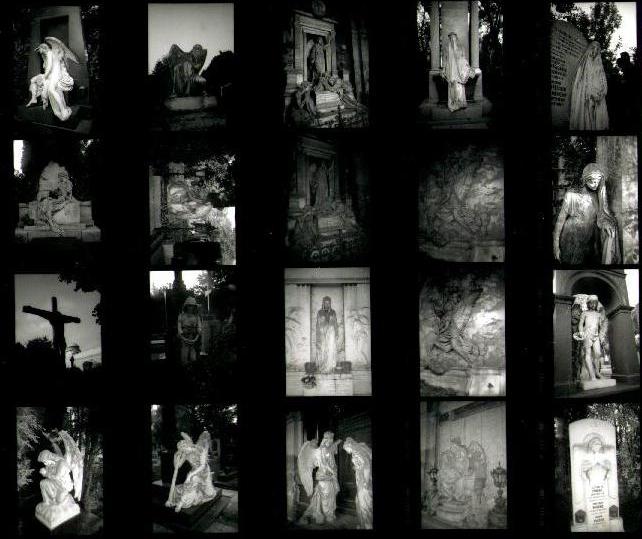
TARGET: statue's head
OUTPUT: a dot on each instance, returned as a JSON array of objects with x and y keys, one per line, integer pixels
[
  {"x": 326, "y": 303},
  {"x": 592, "y": 302},
  {"x": 328, "y": 438},
  {"x": 592, "y": 176},
  {"x": 43, "y": 48},
  {"x": 595, "y": 444},
  {"x": 190, "y": 306},
  {"x": 594, "y": 49},
  {"x": 47, "y": 457},
  {"x": 348, "y": 445}
]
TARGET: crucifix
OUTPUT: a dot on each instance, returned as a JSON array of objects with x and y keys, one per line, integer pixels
[{"x": 57, "y": 321}]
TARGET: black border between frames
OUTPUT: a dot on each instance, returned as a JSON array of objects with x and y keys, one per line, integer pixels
[{"x": 394, "y": 139}]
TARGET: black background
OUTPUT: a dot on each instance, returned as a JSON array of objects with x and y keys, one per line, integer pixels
[{"x": 257, "y": 131}]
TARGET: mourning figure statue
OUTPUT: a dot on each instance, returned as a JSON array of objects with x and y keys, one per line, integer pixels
[
  {"x": 51, "y": 85},
  {"x": 327, "y": 333},
  {"x": 362, "y": 463},
  {"x": 588, "y": 95},
  {"x": 184, "y": 68},
  {"x": 62, "y": 474},
  {"x": 585, "y": 230},
  {"x": 198, "y": 487},
  {"x": 190, "y": 327},
  {"x": 456, "y": 72},
  {"x": 322, "y": 486},
  {"x": 316, "y": 59}
]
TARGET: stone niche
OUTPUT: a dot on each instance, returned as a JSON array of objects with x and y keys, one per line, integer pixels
[
  {"x": 318, "y": 364},
  {"x": 567, "y": 46},
  {"x": 328, "y": 204},
  {"x": 462, "y": 332},
  {"x": 610, "y": 288},
  {"x": 462, "y": 18},
  {"x": 462, "y": 443},
  {"x": 461, "y": 203},
  {"x": 594, "y": 478}
]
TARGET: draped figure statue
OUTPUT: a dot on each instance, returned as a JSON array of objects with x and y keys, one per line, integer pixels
[
  {"x": 361, "y": 456},
  {"x": 327, "y": 329},
  {"x": 588, "y": 95},
  {"x": 456, "y": 72}
]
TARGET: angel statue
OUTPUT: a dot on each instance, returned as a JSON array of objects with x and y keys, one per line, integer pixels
[
  {"x": 362, "y": 463},
  {"x": 323, "y": 501},
  {"x": 51, "y": 85},
  {"x": 198, "y": 487},
  {"x": 63, "y": 473}
]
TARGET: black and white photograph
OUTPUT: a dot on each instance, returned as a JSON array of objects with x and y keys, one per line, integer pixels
[
  {"x": 595, "y": 200},
  {"x": 595, "y": 70},
  {"x": 327, "y": 332},
  {"x": 329, "y": 466},
  {"x": 329, "y": 201},
  {"x": 461, "y": 200},
  {"x": 59, "y": 470},
  {"x": 57, "y": 186},
  {"x": 192, "y": 200},
  {"x": 191, "y": 65},
  {"x": 464, "y": 473},
  {"x": 58, "y": 331},
  {"x": 195, "y": 468},
  {"x": 57, "y": 78},
  {"x": 597, "y": 458},
  {"x": 193, "y": 341},
  {"x": 462, "y": 342},
  {"x": 596, "y": 326},
  {"x": 326, "y": 63},
  {"x": 460, "y": 63}
]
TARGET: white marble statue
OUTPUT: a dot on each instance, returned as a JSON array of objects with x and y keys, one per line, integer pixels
[
  {"x": 592, "y": 331},
  {"x": 198, "y": 487},
  {"x": 327, "y": 333},
  {"x": 588, "y": 95},
  {"x": 323, "y": 501},
  {"x": 456, "y": 72},
  {"x": 55, "y": 203},
  {"x": 51, "y": 85},
  {"x": 62, "y": 473},
  {"x": 361, "y": 456}
]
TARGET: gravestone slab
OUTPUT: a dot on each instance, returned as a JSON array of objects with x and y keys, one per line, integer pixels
[
  {"x": 567, "y": 45},
  {"x": 594, "y": 482}
]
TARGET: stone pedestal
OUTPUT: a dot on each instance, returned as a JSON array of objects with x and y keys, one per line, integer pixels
[
  {"x": 53, "y": 515},
  {"x": 452, "y": 513},
  {"x": 599, "y": 383},
  {"x": 178, "y": 104},
  {"x": 75, "y": 221}
]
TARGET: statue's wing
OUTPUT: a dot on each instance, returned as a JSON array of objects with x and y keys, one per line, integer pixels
[
  {"x": 175, "y": 55},
  {"x": 187, "y": 437},
  {"x": 204, "y": 440},
  {"x": 306, "y": 462},
  {"x": 75, "y": 459},
  {"x": 58, "y": 46},
  {"x": 464, "y": 310}
]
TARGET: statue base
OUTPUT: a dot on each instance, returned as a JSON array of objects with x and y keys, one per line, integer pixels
[
  {"x": 53, "y": 516},
  {"x": 354, "y": 382},
  {"x": 486, "y": 382},
  {"x": 599, "y": 383},
  {"x": 180, "y": 104},
  {"x": 80, "y": 231},
  {"x": 497, "y": 519},
  {"x": 453, "y": 382},
  {"x": 452, "y": 513},
  {"x": 79, "y": 122},
  {"x": 613, "y": 525},
  {"x": 463, "y": 251}
]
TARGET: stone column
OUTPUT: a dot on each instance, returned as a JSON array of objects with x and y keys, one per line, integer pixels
[
  {"x": 474, "y": 34},
  {"x": 624, "y": 357},
  {"x": 435, "y": 57},
  {"x": 293, "y": 441},
  {"x": 563, "y": 345},
  {"x": 356, "y": 59}
]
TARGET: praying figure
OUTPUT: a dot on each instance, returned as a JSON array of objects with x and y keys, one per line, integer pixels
[
  {"x": 457, "y": 72},
  {"x": 51, "y": 85},
  {"x": 327, "y": 330},
  {"x": 361, "y": 456},
  {"x": 588, "y": 95}
]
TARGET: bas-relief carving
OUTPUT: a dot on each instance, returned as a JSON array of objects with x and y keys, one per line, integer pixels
[
  {"x": 51, "y": 85},
  {"x": 63, "y": 474},
  {"x": 198, "y": 487},
  {"x": 462, "y": 331},
  {"x": 461, "y": 206}
]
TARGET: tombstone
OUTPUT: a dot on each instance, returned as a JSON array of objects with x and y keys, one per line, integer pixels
[
  {"x": 594, "y": 478},
  {"x": 567, "y": 46},
  {"x": 462, "y": 18}
]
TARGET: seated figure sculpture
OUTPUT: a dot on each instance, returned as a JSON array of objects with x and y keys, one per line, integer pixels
[
  {"x": 184, "y": 68},
  {"x": 198, "y": 487}
]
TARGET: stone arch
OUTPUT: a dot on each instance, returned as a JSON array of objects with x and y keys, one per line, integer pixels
[{"x": 608, "y": 285}]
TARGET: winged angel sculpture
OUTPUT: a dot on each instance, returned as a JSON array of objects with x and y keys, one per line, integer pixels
[
  {"x": 198, "y": 487},
  {"x": 51, "y": 85},
  {"x": 63, "y": 473},
  {"x": 323, "y": 501},
  {"x": 447, "y": 345}
]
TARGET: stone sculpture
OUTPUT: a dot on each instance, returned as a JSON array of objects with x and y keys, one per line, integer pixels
[
  {"x": 323, "y": 493},
  {"x": 184, "y": 68},
  {"x": 51, "y": 85},
  {"x": 327, "y": 328},
  {"x": 63, "y": 473},
  {"x": 588, "y": 96},
  {"x": 585, "y": 230},
  {"x": 198, "y": 487},
  {"x": 362, "y": 463},
  {"x": 456, "y": 72},
  {"x": 190, "y": 328}
]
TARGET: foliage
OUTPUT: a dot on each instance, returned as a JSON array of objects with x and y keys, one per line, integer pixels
[
  {"x": 28, "y": 431},
  {"x": 491, "y": 51},
  {"x": 577, "y": 152},
  {"x": 85, "y": 278}
]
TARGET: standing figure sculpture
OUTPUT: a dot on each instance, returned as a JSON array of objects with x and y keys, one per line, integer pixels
[
  {"x": 198, "y": 487},
  {"x": 588, "y": 95},
  {"x": 190, "y": 328},
  {"x": 592, "y": 333},
  {"x": 585, "y": 230},
  {"x": 184, "y": 68},
  {"x": 362, "y": 463},
  {"x": 51, "y": 85},
  {"x": 327, "y": 336},
  {"x": 63, "y": 473},
  {"x": 456, "y": 72},
  {"x": 316, "y": 59},
  {"x": 323, "y": 501}
]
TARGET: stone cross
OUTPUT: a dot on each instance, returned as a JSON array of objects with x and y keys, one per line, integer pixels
[{"x": 57, "y": 321}]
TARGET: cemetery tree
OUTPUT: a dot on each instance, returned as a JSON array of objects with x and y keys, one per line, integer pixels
[{"x": 28, "y": 432}]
